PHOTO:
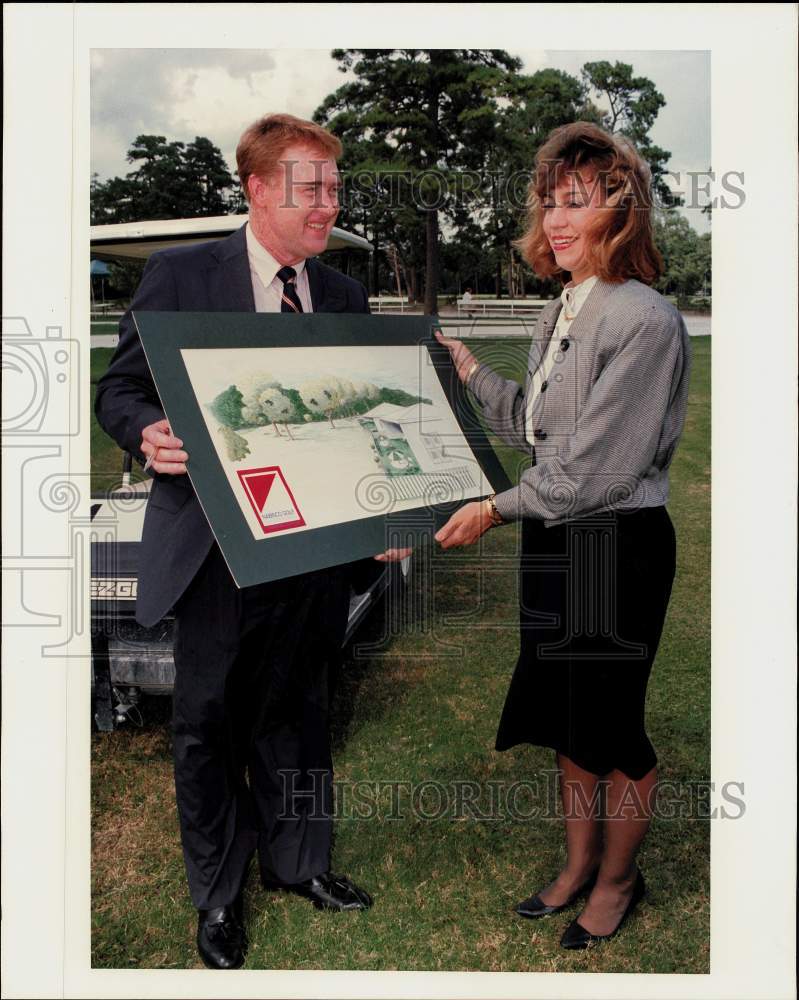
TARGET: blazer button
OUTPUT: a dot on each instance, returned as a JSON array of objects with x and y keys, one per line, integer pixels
[
  {"x": 544, "y": 386},
  {"x": 541, "y": 435},
  {"x": 564, "y": 345}
]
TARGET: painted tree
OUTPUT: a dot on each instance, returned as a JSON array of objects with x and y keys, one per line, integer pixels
[
  {"x": 321, "y": 396},
  {"x": 366, "y": 391},
  {"x": 236, "y": 445},
  {"x": 278, "y": 408},
  {"x": 331, "y": 395},
  {"x": 346, "y": 393},
  {"x": 251, "y": 388},
  {"x": 226, "y": 407},
  {"x": 352, "y": 396},
  {"x": 252, "y": 416}
]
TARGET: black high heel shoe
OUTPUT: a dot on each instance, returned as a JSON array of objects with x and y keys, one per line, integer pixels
[
  {"x": 535, "y": 907},
  {"x": 576, "y": 937}
]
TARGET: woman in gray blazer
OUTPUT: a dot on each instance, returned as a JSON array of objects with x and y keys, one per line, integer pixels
[{"x": 600, "y": 413}]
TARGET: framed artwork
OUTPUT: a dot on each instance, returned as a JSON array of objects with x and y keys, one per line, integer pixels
[{"x": 311, "y": 438}]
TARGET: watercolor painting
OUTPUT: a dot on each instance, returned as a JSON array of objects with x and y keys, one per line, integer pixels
[{"x": 368, "y": 430}]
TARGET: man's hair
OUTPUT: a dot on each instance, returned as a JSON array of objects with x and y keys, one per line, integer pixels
[
  {"x": 622, "y": 244},
  {"x": 265, "y": 141}
]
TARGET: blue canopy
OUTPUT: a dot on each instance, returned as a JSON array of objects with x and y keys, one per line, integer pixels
[{"x": 99, "y": 267}]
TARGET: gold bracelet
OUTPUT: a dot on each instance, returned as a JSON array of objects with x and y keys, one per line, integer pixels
[
  {"x": 493, "y": 514},
  {"x": 473, "y": 368}
]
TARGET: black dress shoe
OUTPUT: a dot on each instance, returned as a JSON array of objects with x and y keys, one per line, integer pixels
[
  {"x": 536, "y": 907},
  {"x": 576, "y": 937},
  {"x": 221, "y": 939},
  {"x": 327, "y": 892}
]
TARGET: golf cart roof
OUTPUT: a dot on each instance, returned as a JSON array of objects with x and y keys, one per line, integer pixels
[{"x": 137, "y": 240}]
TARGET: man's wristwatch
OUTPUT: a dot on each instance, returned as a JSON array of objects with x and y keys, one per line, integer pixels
[{"x": 493, "y": 513}]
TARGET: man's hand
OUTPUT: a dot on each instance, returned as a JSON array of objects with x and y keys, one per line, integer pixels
[
  {"x": 465, "y": 526},
  {"x": 462, "y": 357},
  {"x": 162, "y": 449},
  {"x": 393, "y": 555}
]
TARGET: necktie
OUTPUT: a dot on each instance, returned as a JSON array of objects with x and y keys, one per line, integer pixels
[{"x": 289, "y": 300}]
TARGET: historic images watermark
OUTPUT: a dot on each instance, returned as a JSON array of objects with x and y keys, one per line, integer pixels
[
  {"x": 390, "y": 189},
  {"x": 42, "y": 412},
  {"x": 502, "y": 801}
]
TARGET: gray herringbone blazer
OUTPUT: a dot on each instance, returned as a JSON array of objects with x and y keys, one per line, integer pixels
[{"x": 607, "y": 424}]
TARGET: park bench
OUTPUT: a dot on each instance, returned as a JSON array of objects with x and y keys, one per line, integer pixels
[
  {"x": 501, "y": 307},
  {"x": 387, "y": 303}
]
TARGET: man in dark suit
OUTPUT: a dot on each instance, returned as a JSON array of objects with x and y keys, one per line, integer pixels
[{"x": 251, "y": 743}]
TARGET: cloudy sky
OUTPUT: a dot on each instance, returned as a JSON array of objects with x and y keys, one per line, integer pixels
[{"x": 183, "y": 93}]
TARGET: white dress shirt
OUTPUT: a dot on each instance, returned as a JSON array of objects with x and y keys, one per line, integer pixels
[
  {"x": 572, "y": 297},
  {"x": 267, "y": 287}
]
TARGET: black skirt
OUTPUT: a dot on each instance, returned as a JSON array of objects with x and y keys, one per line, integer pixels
[{"x": 594, "y": 594}]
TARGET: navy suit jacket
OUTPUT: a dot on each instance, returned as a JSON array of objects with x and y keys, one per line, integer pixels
[{"x": 209, "y": 277}]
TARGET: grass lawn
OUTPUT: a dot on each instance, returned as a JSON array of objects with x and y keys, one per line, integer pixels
[
  {"x": 418, "y": 701},
  {"x": 106, "y": 462},
  {"x": 100, "y": 326}
]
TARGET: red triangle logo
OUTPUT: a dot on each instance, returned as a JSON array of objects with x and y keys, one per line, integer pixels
[
  {"x": 260, "y": 487},
  {"x": 271, "y": 499}
]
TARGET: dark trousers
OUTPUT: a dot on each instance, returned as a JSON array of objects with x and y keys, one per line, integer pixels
[{"x": 250, "y": 725}]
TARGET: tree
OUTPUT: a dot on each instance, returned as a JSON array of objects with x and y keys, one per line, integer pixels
[
  {"x": 464, "y": 260},
  {"x": 380, "y": 209},
  {"x": 546, "y": 99},
  {"x": 160, "y": 185},
  {"x": 207, "y": 177},
  {"x": 408, "y": 108},
  {"x": 171, "y": 180},
  {"x": 112, "y": 201},
  {"x": 634, "y": 103},
  {"x": 686, "y": 257},
  {"x": 501, "y": 140}
]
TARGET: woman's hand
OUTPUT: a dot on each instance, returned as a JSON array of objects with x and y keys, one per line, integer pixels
[
  {"x": 465, "y": 526},
  {"x": 463, "y": 359}
]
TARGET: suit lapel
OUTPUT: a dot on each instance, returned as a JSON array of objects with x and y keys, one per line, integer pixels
[
  {"x": 591, "y": 309},
  {"x": 583, "y": 322},
  {"x": 230, "y": 282},
  {"x": 325, "y": 296},
  {"x": 543, "y": 331}
]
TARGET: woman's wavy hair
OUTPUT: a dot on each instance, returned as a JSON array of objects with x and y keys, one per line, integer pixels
[
  {"x": 622, "y": 244},
  {"x": 266, "y": 140}
]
